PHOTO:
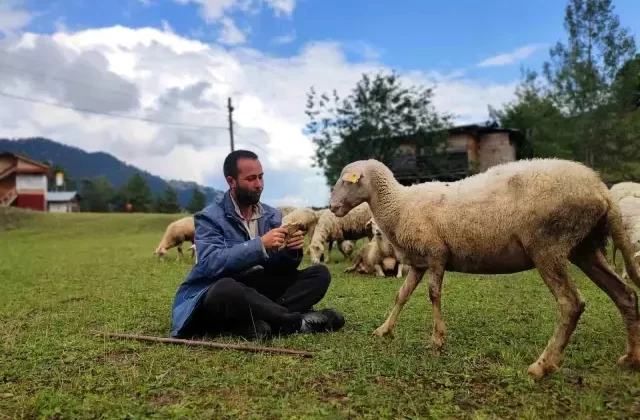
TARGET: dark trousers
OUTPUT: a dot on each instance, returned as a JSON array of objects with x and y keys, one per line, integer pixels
[{"x": 278, "y": 298}]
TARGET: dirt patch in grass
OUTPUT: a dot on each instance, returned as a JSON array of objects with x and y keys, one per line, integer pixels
[
  {"x": 165, "y": 397},
  {"x": 119, "y": 357}
]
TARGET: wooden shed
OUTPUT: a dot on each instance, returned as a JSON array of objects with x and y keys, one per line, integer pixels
[{"x": 23, "y": 182}]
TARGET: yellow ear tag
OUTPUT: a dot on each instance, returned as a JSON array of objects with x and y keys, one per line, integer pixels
[{"x": 351, "y": 177}]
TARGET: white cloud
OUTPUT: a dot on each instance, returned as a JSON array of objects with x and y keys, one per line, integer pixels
[
  {"x": 151, "y": 74},
  {"x": 230, "y": 34},
  {"x": 213, "y": 10},
  {"x": 284, "y": 39},
  {"x": 13, "y": 17},
  {"x": 512, "y": 57},
  {"x": 166, "y": 26}
]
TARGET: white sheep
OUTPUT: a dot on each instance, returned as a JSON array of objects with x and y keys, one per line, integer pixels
[
  {"x": 516, "y": 216},
  {"x": 307, "y": 218},
  {"x": 376, "y": 256},
  {"x": 286, "y": 210},
  {"x": 176, "y": 233},
  {"x": 331, "y": 228},
  {"x": 630, "y": 211},
  {"x": 345, "y": 247},
  {"x": 624, "y": 189},
  {"x": 303, "y": 216}
]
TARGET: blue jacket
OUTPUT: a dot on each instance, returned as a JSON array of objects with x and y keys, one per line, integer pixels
[{"x": 224, "y": 250}]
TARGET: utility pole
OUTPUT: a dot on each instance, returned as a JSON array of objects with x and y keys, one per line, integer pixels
[{"x": 230, "y": 122}]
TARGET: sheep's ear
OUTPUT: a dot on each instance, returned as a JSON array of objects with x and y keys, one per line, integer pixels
[{"x": 351, "y": 177}]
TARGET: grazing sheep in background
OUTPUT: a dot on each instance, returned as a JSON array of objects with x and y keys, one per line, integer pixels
[
  {"x": 624, "y": 189},
  {"x": 176, "y": 233},
  {"x": 630, "y": 211},
  {"x": 539, "y": 213},
  {"x": 346, "y": 247},
  {"x": 286, "y": 210},
  {"x": 331, "y": 228},
  {"x": 376, "y": 256},
  {"x": 305, "y": 217}
]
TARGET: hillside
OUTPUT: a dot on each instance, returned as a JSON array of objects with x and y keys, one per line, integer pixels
[{"x": 81, "y": 164}]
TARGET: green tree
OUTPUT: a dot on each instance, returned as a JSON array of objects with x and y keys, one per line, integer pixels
[
  {"x": 586, "y": 110},
  {"x": 97, "y": 195},
  {"x": 167, "y": 201},
  {"x": 369, "y": 121},
  {"x": 198, "y": 201},
  {"x": 626, "y": 86},
  {"x": 535, "y": 115},
  {"x": 136, "y": 192},
  {"x": 581, "y": 76}
]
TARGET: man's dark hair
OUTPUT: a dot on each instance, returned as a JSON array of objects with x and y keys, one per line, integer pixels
[{"x": 230, "y": 166}]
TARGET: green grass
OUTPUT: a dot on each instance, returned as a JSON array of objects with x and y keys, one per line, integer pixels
[{"x": 62, "y": 275}]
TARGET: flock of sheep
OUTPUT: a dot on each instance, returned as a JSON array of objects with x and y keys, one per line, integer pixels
[
  {"x": 513, "y": 217},
  {"x": 323, "y": 228}
]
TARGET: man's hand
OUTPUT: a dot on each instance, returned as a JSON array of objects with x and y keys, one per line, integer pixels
[
  {"x": 274, "y": 238},
  {"x": 296, "y": 240}
]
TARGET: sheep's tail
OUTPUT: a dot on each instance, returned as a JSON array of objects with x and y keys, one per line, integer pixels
[{"x": 621, "y": 241}]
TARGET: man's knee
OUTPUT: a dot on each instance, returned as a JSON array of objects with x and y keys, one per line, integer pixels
[
  {"x": 320, "y": 274},
  {"x": 225, "y": 289}
]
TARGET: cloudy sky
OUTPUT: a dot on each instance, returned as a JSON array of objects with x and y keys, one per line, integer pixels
[{"x": 163, "y": 70}]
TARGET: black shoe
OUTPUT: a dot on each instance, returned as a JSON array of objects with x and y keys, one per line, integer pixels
[
  {"x": 256, "y": 330},
  {"x": 313, "y": 322},
  {"x": 336, "y": 319}
]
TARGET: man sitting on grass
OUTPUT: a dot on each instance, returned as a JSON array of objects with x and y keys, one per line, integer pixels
[{"x": 242, "y": 284}]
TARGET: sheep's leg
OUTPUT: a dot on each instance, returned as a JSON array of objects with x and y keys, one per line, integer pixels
[
  {"x": 355, "y": 264},
  {"x": 180, "y": 254},
  {"x": 379, "y": 271},
  {"x": 328, "y": 253},
  {"x": 624, "y": 297},
  {"x": 400, "y": 269},
  {"x": 410, "y": 283},
  {"x": 435, "y": 291},
  {"x": 570, "y": 307}
]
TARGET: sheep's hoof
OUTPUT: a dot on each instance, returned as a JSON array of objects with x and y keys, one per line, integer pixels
[
  {"x": 436, "y": 345},
  {"x": 537, "y": 370},
  {"x": 383, "y": 332},
  {"x": 629, "y": 361}
]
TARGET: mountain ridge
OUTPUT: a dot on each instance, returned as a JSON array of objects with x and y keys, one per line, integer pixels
[{"x": 79, "y": 163}]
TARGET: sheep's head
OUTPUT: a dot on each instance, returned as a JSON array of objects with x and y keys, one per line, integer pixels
[
  {"x": 316, "y": 252},
  {"x": 347, "y": 247},
  {"x": 375, "y": 229},
  {"x": 350, "y": 190},
  {"x": 160, "y": 252}
]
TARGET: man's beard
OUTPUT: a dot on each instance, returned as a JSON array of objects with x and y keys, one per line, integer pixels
[{"x": 247, "y": 197}]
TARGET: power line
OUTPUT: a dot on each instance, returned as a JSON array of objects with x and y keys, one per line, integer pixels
[
  {"x": 90, "y": 111},
  {"x": 49, "y": 75}
]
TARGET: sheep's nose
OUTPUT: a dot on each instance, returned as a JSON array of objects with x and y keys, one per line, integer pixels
[{"x": 333, "y": 207}]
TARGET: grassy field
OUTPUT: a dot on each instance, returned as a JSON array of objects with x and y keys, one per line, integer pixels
[{"x": 63, "y": 275}]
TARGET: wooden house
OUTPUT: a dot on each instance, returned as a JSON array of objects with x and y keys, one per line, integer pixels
[
  {"x": 469, "y": 149},
  {"x": 23, "y": 182}
]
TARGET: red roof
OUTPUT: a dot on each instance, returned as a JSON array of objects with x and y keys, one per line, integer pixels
[{"x": 25, "y": 158}]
